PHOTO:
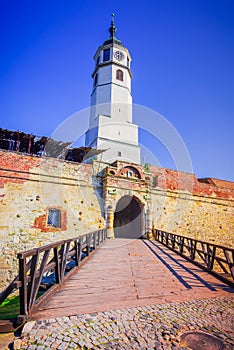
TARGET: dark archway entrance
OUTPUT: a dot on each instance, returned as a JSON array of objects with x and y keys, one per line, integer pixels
[{"x": 128, "y": 218}]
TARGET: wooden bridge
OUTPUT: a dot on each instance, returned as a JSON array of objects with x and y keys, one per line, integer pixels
[{"x": 78, "y": 278}]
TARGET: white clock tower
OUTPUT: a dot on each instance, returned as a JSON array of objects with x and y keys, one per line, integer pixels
[{"x": 110, "y": 126}]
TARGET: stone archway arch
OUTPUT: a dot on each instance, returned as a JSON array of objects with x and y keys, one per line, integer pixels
[{"x": 128, "y": 218}]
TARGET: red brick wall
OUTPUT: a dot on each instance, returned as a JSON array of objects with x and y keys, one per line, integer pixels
[{"x": 175, "y": 180}]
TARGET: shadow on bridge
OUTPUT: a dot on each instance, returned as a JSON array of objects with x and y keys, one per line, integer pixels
[{"x": 176, "y": 261}]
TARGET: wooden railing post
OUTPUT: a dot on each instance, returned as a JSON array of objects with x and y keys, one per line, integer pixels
[
  {"x": 61, "y": 255},
  {"x": 98, "y": 238},
  {"x": 162, "y": 236},
  {"x": 212, "y": 259},
  {"x": 57, "y": 267},
  {"x": 167, "y": 238},
  {"x": 88, "y": 244},
  {"x": 23, "y": 288},
  {"x": 77, "y": 252},
  {"x": 193, "y": 250},
  {"x": 181, "y": 245},
  {"x": 94, "y": 244},
  {"x": 102, "y": 236},
  {"x": 80, "y": 249}
]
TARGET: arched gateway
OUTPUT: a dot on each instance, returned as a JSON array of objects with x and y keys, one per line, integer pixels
[{"x": 128, "y": 218}]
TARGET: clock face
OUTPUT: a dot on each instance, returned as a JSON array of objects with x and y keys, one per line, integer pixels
[{"x": 119, "y": 55}]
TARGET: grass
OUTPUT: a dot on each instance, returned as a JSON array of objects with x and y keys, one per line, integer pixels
[{"x": 10, "y": 308}]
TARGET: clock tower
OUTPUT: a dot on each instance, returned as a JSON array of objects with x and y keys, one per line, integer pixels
[{"x": 110, "y": 125}]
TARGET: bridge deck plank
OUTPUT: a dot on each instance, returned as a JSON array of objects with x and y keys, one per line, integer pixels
[{"x": 128, "y": 273}]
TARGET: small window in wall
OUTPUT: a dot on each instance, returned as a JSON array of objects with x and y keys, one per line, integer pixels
[
  {"x": 132, "y": 171},
  {"x": 95, "y": 79},
  {"x": 119, "y": 154},
  {"x": 127, "y": 61},
  {"x": 54, "y": 218},
  {"x": 106, "y": 55},
  {"x": 154, "y": 181},
  {"x": 119, "y": 74}
]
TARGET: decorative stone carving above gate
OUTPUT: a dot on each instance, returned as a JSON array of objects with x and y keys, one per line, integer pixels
[{"x": 125, "y": 179}]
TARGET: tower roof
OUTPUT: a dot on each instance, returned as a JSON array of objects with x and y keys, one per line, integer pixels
[{"x": 112, "y": 30}]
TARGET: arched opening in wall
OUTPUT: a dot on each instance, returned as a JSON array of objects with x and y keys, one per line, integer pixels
[
  {"x": 128, "y": 218},
  {"x": 119, "y": 74}
]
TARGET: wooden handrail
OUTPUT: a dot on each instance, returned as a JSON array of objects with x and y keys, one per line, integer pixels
[
  {"x": 55, "y": 261},
  {"x": 216, "y": 259}
]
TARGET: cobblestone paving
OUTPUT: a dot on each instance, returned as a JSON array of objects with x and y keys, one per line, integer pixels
[{"x": 148, "y": 327}]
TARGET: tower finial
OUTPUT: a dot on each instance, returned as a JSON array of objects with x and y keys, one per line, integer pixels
[{"x": 112, "y": 28}]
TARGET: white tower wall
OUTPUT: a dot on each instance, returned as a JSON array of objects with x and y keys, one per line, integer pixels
[{"x": 110, "y": 125}]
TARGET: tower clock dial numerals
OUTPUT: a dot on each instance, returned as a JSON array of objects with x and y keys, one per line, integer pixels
[{"x": 119, "y": 55}]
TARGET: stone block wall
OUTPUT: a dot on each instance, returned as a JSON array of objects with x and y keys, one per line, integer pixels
[
  {"x": 29, "y": 187},
  {"x": 184, "y": 205}
]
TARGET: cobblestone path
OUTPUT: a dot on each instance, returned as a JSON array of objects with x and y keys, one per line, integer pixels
[{"x": 157, "y": 327}]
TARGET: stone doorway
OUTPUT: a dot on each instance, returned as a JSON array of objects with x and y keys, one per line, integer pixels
[{"x": 128, "y": 218}]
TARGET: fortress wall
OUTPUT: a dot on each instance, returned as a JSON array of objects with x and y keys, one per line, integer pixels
[
  {"x": 29, "y": 186},
  {"x": 181, "y": 204}
]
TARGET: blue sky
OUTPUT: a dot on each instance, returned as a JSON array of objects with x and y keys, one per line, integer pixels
[{"x": 182, "y": 51}]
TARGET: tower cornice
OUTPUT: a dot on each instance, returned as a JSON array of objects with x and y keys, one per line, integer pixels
[{"x": 124, "y": 87}]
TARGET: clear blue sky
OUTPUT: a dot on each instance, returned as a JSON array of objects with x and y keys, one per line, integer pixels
[{"x": 183, "y": 67}]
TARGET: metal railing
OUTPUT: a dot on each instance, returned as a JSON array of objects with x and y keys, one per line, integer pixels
[
  {"x": 43, "y": 269},
  {"x": 216, "y": 259}
]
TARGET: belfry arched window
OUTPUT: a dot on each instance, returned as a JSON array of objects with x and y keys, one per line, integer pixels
[
  {"x": 119, "y": 74},
  {"x": 106, "y": 55}
]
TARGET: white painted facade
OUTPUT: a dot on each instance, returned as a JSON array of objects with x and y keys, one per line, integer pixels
[{"x": 110, "y": 124}]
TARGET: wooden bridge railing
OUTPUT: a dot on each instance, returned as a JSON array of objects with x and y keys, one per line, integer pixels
[
  {"x": 213, "y": 258},
  {"x": 43, "y": 269}
]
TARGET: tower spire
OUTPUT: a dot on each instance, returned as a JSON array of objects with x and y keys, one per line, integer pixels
[
  {"x": 112, "y": 39},
  {"x": 112, "y": 28}
]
